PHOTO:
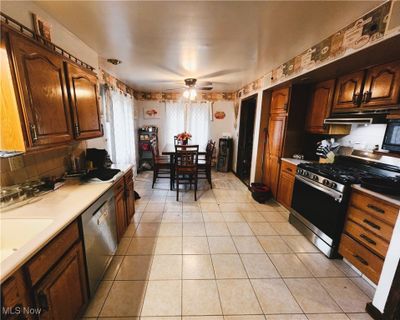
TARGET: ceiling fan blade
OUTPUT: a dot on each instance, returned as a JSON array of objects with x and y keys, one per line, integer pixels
[
  {"x": 174, "y": 89},
  {"x": 205, "y": 88},
  {"x": 220, "y": 73},
  {"x": 204, "y": 83}
]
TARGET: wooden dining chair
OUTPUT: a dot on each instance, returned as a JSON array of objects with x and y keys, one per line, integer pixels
[
  {"x": 161, "y": 165},
  {"x": 205, "y": 165},
  {"x": 186, "y": 162}
]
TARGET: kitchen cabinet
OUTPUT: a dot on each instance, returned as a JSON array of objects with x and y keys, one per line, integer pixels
[
  {"x": 367, "y": 232},
  {"x": 83, "y": 97},
  {"x": 382, "y": 86},
  {"x": 129, "y": 195},
  {"x": 14, "y": 297},
  {"x": 286, "y": 183},
  {"x": 62, "y": 292},
  {"x": 320, "y": 107},
  {"x": 42, "y": 91},
  {"x": 372, "y": 89},
  {"x": 280, "y": 100},
  {"x": 120, "y": 208}
]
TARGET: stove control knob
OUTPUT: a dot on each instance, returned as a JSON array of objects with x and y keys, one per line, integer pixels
[
  {"x": 326, "y": 182},
  {"x": 306, "y": 173},
  {"x": 314, "y": 177},
  {"x": 333, "y": 185},
  {"x": 300, "y": 171}
]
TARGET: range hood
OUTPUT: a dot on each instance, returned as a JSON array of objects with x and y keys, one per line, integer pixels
[{"x": 366, "y": 117}]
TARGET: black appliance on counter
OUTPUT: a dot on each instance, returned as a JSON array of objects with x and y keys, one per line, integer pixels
[
  {"x": 321, "y": 193},
  {"x": 225, "y": 152},
  {"x": 391, "y": 140}
]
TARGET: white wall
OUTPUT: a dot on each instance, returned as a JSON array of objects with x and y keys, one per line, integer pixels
[{"x": 364, "y": 137}]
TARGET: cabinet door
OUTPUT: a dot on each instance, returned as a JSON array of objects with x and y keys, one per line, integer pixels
[
  {"x": 82, "y": 90},
  {"x": 280, "y": 100},
  {"x": 285, "y": 189},
  {"x": 130, "y": 201},
  {"x": 382, "y": 86},
  {"x": 42, "y": 88},
  {"x": 348, "y": 92},
  {"x": 320, "y": 106},
  {"x": 120, "y": 212},
  {"x": 274, "y": 174},
  {"x": 62, "y": 294}
]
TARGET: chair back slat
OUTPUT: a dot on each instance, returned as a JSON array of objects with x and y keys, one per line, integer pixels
[{"x": 186, "y": 157}]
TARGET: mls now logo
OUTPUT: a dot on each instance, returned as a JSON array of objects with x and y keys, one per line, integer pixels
[{"x": 18, "y": 310}]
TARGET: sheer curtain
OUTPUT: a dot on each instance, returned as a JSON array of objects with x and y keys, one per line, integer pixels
[
  {"x": 198, "y": 122},
  {"x": 120, "y": 129},
  {"x": 174, "y": 120}
]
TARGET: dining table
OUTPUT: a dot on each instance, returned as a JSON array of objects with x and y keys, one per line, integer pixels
[{"x": 169, "y": 150}]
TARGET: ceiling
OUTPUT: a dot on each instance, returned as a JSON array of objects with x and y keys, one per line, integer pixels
[{"x": 230, "y": 43}]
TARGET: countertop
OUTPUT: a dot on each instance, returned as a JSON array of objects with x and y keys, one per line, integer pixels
[
  {"x": 389, "y": 198},
  {"x": 294, "y": 161},
  {"x": 30, "y": 227}
]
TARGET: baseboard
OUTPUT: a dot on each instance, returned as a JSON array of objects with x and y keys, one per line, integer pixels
[{"x": 373, "y": 311}]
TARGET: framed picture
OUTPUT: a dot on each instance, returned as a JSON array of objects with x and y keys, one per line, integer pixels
[
  {"x": 151, "y": 112},
  {"x": 42, "y": 27}
]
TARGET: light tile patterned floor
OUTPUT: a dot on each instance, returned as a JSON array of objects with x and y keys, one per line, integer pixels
[{"x": 222, "y": 257}]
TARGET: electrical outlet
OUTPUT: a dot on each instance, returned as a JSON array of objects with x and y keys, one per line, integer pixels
[{"x": 16, "y": 163}]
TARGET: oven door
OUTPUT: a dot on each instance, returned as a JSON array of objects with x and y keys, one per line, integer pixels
[{"x": 320, "y": 209}]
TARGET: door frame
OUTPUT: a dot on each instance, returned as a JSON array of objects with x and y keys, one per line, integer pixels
[{"x": 240, "y": 134}]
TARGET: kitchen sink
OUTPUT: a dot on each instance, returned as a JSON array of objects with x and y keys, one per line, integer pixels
[{"x": 15, "y": 233}]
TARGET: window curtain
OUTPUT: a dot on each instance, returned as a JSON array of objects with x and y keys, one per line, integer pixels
[
  {"x": 119, "y": 126},
  {"x": 174, "y": 120},
  {"x": 198, "y": 122}
]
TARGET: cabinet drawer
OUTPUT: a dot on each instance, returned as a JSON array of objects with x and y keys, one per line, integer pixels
[
  {"x": 48, "y": 256},
  {"x": 370, "y": 223},
  {"x": 288, "y": 167},
  {"x": 363, "y": 259},
  {"x": 119, "y": 186},
  {"x": 376, "y": 207},
  {"x": 367, "y": 238}
]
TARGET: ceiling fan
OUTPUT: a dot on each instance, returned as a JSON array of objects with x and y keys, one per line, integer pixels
[{"x": 191, "y": 86}]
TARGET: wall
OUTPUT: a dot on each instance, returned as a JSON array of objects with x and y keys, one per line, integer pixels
[{"x": 364, "y": 137}]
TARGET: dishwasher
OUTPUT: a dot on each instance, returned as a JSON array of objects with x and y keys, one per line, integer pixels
[{"x": 100, "y": 237}]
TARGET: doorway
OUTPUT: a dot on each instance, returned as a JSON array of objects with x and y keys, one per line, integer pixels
[{"x": 246, "y": 135}]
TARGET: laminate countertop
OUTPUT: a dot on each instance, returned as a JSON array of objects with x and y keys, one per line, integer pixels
[
  {"x": 295, "y": 161},
  {"x": 27, "y": 229}
]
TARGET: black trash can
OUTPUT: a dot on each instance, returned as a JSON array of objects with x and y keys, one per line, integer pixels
[{"x": 260, "y": 192}]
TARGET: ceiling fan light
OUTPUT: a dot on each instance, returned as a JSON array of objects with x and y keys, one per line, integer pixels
[
  {"x": 193, "y": 94},
  {"x": 186, "y": 93}
]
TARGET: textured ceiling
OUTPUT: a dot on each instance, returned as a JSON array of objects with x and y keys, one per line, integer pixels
[{"x": 228, "y": 43}]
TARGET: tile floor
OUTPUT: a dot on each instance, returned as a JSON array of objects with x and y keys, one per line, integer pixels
[{"x": 224, "y": 257}]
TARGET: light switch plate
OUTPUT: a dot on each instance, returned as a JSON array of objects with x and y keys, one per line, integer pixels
[{"x": 16, "y": 163}]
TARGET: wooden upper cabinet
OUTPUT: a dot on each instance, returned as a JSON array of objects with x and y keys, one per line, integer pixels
[
  {"x": 280, "y": 100},
  {"x": 320, "y": 106},
  {"x": 83, "y": 98},
  {"x": 382, "y": 86},
  {"x": 348, "y": 93},
  {"x": 43, "y": 93}
]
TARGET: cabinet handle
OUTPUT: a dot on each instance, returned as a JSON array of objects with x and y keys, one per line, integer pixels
[
  {"x": 356, "y": 97},
  {"x": 285, "y": 105},
  {"x": 42, "y": 301},
  {"x": 373, "y": 225},
  {"x": 367, "y": 96},
  {"x": 368, "y": 239},
  {"x": 375, "y": 208},
  {"x": 289, "y": 169},
  {"x": 77, "y": 131},
  {"x": 362, "y": 260},
  {"x": 33, "y": 132}
]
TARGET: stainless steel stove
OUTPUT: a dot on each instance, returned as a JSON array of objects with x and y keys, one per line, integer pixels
[{"x": 321, "y": 192}]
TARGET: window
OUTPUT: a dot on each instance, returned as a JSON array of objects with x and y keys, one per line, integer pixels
[{"x": 192, "y": 117}]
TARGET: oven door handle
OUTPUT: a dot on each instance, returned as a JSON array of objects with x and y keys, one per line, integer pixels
[{"x": 334, "y": 194}]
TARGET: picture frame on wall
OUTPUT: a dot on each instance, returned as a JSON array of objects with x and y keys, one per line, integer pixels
[
  {"x": 152, "y": 112},
  {"x": 41, "y": 27}
]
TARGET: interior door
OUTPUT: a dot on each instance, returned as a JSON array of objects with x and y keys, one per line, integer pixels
[
  {"x": 348, "y": 93},
  {"x": 42, "y": 88},
  {"x": 382, "y": 86},
  {"x": 84, "y": 102}
]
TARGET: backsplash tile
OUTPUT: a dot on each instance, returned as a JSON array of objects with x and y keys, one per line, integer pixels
[{"x": 39, "y": 165}]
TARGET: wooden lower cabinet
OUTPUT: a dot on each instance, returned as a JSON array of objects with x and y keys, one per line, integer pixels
[
  {"x": 120, "y": 213},
  {"x": 52, "y": 285},
  {"x": 130, "y": 199},
  {"x": 367, "y": 233},
  {"x": 286, "y": 183},
  {"x": 62, "y": 293}
]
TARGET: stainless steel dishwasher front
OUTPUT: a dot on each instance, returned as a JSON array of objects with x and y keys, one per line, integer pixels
[{"x": 100, "y": 237}]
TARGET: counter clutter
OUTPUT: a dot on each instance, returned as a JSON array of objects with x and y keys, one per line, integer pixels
[{"x": 25, "y": 230}]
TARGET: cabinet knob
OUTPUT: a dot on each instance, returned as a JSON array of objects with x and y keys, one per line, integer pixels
[
  {"x": 367, "y": 96},
  {"x": 33, "y": 132},
  {"x": 77, "y": 131}
]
